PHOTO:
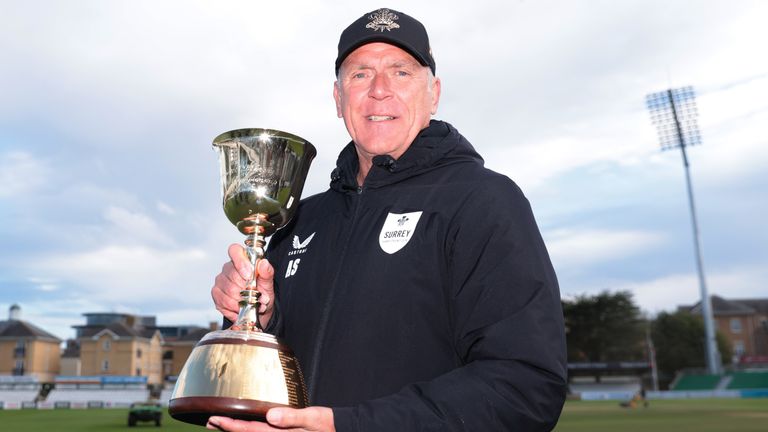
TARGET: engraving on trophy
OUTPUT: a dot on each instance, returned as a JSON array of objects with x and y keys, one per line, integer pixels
[{"x": 243, "y": 372}]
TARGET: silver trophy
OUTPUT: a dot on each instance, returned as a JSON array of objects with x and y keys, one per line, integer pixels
[{"x": 242, "y": 372}]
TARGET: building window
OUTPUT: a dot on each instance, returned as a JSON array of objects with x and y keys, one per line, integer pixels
[
  {"x": 738, "y": 347},
  {"x": 18, "y": 352},
  {"x": 138, "y": 353},
  {"x": 138, "y": 371},
  {"x": 107, "y": 345},
  {"x": 735, "y": 325},
  {"x": 105, "y": 366}
]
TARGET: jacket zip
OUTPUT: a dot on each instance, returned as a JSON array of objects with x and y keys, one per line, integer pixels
[{"x": 322, "y": 326}]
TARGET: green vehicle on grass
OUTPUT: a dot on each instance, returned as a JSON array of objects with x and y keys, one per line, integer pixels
[{"x": 145, "y": 411}]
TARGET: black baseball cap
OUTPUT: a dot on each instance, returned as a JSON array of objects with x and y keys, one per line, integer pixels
[{"x": 389, "y": 26}]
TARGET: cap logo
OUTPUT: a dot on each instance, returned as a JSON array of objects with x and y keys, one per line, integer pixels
[{"x": 382, "y": 19}]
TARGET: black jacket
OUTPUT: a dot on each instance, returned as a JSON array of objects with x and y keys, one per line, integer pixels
[{"x": 456, "y": 326}]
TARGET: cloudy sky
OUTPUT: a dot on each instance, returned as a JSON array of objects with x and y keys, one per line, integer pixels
[{"x": 109, "y": 193}]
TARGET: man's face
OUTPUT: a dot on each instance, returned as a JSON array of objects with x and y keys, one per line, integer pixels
[{"x": 385, "y": 97}]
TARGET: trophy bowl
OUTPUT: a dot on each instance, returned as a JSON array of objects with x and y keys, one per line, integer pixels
[{"x": 242, "y": 372}]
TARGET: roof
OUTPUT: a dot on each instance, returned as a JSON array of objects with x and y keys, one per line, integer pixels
[
  {"x": 15, "y": 329},
  {"x": 195, "y": 335},
  {"x": 721, "y": 306},
  {"x": 175, "y": 332},
  {"x": 190, "y": 338},
  {"x": 119, "y": 329},
  {"x": 72, "y": 349},
  {"x": 759, "y": 305}
]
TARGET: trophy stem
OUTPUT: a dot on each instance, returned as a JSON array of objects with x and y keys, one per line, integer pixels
[{"x": 248, "y": 318}]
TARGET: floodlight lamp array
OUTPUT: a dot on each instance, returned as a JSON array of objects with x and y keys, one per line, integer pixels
[{"x": 674, "y": 113}]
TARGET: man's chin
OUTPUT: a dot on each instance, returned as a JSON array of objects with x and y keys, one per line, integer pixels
[{"x": 393, "y": 146}]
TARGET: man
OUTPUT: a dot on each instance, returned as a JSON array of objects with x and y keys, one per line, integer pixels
[{"x": 416, "y": 292}]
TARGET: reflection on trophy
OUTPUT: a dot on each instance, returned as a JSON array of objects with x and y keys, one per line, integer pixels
[{"x": 243, "y": 372}]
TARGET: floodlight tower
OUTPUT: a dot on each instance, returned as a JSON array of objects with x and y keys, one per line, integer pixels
[{"x": 674, "y": 113}]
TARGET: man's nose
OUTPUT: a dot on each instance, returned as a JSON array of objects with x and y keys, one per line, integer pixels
[{"x": 380, "y": 87}]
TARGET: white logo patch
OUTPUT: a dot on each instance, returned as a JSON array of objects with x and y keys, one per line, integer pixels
[
  {"x": 397, "y": 231},
  {"x": 299, "y": 246}
]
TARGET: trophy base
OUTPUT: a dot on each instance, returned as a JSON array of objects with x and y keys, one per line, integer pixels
[
  {"x": 197, "y": 409},
  {"x": 237, "y": 374}
]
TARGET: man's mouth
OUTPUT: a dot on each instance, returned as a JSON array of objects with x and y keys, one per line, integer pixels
[{"x": 380, "y": 118}]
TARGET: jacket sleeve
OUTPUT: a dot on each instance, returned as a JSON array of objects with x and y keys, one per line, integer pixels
[{"x": 507, "y": 325}]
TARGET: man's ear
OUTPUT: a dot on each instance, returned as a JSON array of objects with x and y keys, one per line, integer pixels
[
  {"x": 337, "y": 98},
  {"x": 436, "y": 86}
]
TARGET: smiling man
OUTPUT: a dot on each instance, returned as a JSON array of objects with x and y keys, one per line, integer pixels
[
  {"x": 385, "y": 98},
  {"x": 416, "y": 292}
]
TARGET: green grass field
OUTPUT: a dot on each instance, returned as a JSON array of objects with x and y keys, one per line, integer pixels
[
  {"x": 709, "y": 415},
  {"x": 86, "y": 420},
  {"x": 699, "y": 415}
]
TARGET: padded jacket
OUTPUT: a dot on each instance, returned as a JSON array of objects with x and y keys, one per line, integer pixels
[{"x": 424, "y": 300}]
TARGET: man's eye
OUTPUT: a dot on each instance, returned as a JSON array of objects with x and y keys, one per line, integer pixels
[
  {"x": 359, "y": 75},
  {"x": 402, "y": 73}
]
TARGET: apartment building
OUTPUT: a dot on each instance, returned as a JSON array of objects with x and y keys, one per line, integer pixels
[
  {"x": 120, "y": 344},
  {"x": 743, "y": 321},
  {"x": 28, "y": 350}
]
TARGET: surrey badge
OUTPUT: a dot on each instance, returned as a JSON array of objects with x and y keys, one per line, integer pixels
[{"x": 397, "y": 231}]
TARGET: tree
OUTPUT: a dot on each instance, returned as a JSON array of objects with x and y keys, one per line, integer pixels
[
  {"x": 679, "y": 339},
  {"x": 605, "y": 327}
]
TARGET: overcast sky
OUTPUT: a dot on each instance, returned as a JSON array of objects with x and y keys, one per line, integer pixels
[{"x": 109, "y": 189}]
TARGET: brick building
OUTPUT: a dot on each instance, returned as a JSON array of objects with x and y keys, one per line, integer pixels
[
  {"x": 27, "y": 350},
  {"x": 120, "y": 344},
  {"x": 743, "y": 321}
]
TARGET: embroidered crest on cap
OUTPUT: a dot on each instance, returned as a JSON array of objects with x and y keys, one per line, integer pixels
[
  {"x": 382, "y": 20},
  {"x": 397, "y": 231}
]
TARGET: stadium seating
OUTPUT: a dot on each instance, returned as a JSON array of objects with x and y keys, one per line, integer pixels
[
  {"x": 748, "y": 380},
  {"x": 696, "y": 382},
  {"x": 607, "y": 387},
  {"x": 17, "y": 397},
  {"x": 110, "y": 397}
]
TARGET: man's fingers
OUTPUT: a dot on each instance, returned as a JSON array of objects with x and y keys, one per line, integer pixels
[
  {"x": 266, "y": 271},
  {"x": 319, "y": 419},
  {"x": 225, "y": 293},
  {"x": 312, "y": 419},
  {"x": 282, "y": 417},
  {"x": 265, "y": 284},
  {"x": 240, "y": 260},
  {"x": 234, "y": 277},
  {"x": 229, "y": 282},
  {"x": 229, "y": 271},
  {"x": 232, "y": 425}
]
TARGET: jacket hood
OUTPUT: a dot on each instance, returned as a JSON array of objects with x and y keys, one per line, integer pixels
[{"x": 437, "y": 145}]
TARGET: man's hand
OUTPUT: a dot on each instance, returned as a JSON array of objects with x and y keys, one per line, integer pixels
[
  {"x": 312, "y": 419},
  {"x": 233, "y": 278}
]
